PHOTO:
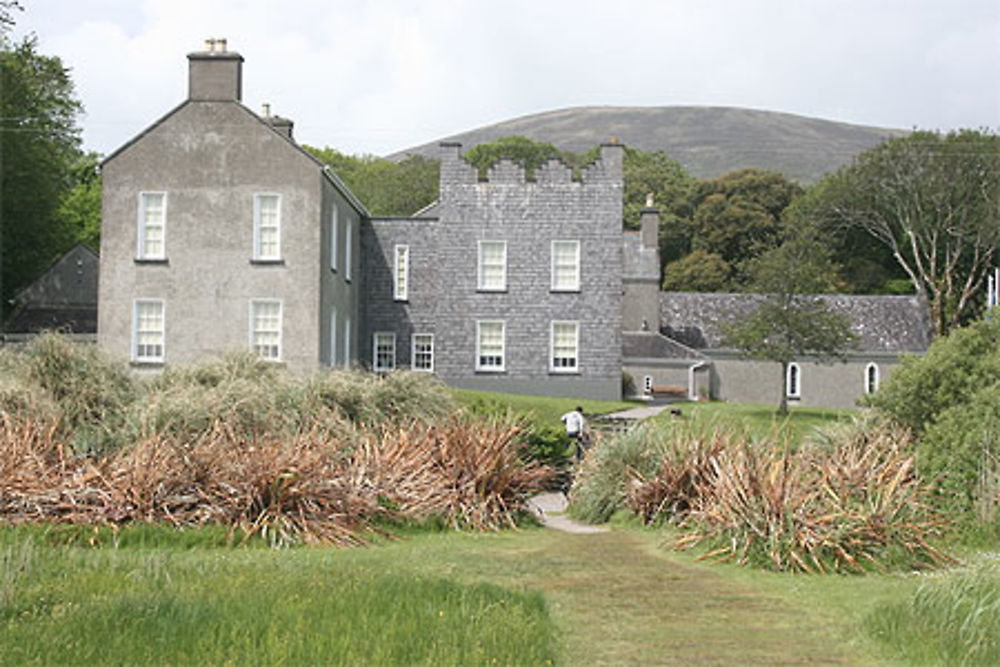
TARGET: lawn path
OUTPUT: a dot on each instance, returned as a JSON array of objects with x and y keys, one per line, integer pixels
[{"x": 617, "y": 600}]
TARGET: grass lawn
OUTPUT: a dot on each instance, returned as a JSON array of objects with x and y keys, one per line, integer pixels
[
  {"x": 545, "y": 410},
  {"x": 763, "y": 420},
  {"x": 525, "y": 597}
]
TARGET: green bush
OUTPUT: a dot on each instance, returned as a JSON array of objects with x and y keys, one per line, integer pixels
[
  {"x": 960, "y": 456},
  {"x": 89, "y": 392},
  {"x": 952, "y": 370}
]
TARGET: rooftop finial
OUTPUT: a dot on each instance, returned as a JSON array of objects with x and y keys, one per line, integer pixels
[{"x": 649, "y": 200}]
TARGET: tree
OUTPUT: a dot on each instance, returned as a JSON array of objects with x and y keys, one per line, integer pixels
[
  {"x": 792, "y": 320},
  {"x": 698, "y": 271},
  {"x": 738, "y": 215},
  {"x": 529, "y": 153},
  {"x": 934, "y": 202},
  {"x": 383, "y": 186},
  {"x": 39, "y": 144},
  {"x": 79, "y": 211}
]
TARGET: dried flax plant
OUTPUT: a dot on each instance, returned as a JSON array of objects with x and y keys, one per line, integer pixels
[
  {"x": 850, "y": 503},
  {"x": 310, "y": 487}
]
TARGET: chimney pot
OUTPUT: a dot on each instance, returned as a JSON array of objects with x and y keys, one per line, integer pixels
[
  {"x": 209, "y": 45},
  {"x": 266, "y": 110},
  {"x": 221, "y": 41}
]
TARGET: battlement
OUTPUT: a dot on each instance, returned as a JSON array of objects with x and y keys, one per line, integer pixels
[{"x": 456, "y": 171}]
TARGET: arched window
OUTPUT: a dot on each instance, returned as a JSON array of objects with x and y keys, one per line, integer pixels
[
  {"x": 871, "y": 378},
  {"x": 793, "y": 381}
]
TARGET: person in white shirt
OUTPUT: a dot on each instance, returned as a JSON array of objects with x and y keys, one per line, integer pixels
[{"x": 576, "y": 430}]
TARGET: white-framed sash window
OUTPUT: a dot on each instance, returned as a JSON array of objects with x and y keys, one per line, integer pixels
[
  {"x": 152, "y": 225},
  {"x": 492, "y": 266},
  {"x": 490, "y": 345},
  {"x": 565, "y": 266},
  {"x": 265, "y": 328},
  {"x": 422, "y": 352},
  {"x": 267, "y": 227},
  {"x": 401, "y": 272},
  {"x": 565, "y": 344},
  {"x": 384, "y": 351},
  {"x": 148, "y": 331}
]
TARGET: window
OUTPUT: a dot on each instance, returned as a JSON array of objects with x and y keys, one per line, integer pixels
[
  {"x": 384, "y": 352},
  {"x": 793, "y": 381},
  {"x": 492, "y": 266},
  {"x": 401, "y": 278},
  {"x": 148, "y": 331},
  {"x": 266, "y": 227},
  {"x": 565, "y": 344},
  {"x": 565, "y": 266},
  {"x": 348, "y": 246},
  {"x": 265, "y": 329},
  {"x": 334, "y": 232},
  {"x": 152, "y": 225},
  {"x": 333, "y": 336},
  {"x": 347, "y": 342},
  {"x": 422, "y": 354},
  {"x": 871, "y": 378},
  {"x": 490, "y": 345}
]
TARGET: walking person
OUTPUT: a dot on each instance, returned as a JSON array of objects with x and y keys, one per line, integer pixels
[{"x": 576, "y": 431}]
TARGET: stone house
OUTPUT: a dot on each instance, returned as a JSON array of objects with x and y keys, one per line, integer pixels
[
  {"x": 684, "y": 352},
  {"x": 63, "y": 298},
  {"x": 219, "y": 232}
]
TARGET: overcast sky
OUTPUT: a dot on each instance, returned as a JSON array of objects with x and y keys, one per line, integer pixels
[{"x": 376, "y": 76}]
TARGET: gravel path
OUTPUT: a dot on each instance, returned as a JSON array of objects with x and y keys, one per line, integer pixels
[{"x": 550, "y": 509}]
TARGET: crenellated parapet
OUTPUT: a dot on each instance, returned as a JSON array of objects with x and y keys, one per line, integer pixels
[{"x": 456, "y": 171}]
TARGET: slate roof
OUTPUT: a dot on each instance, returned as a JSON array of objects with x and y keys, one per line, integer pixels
[
  {"x": 882, "y": 323},
  {"x": 652, "y": 345}
]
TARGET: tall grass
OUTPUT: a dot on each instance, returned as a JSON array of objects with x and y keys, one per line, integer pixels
[
  {"x": 230, "y": 608},
  {"x": 950, "y": 620}
]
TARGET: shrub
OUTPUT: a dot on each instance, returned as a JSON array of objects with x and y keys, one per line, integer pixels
[
  {"x": 602, "y": 484},
  {"x": 953, "y": 369},
  {"x": 90, "y": 392},
  {"x": 846, "y": 500},
  {"x": 849, "y": 502},
  {"x": 960, "y": 457},
  {"x": 306, "y": 487}
]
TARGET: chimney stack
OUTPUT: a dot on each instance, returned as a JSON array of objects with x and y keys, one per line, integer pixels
[
  {"x": 215, "y": 74},
  {"x": 649, "y": 224}
]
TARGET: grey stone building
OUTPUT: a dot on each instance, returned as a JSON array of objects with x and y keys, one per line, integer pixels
[
  {"x": 63, "y": 298},
  {"x": 684, "y": 354},
  {"x": 505, "y": 284},
  {"x": 219, "y": 232}
]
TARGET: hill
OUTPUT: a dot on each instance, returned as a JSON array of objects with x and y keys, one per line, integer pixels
[{"x": 708, "y": 141}]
